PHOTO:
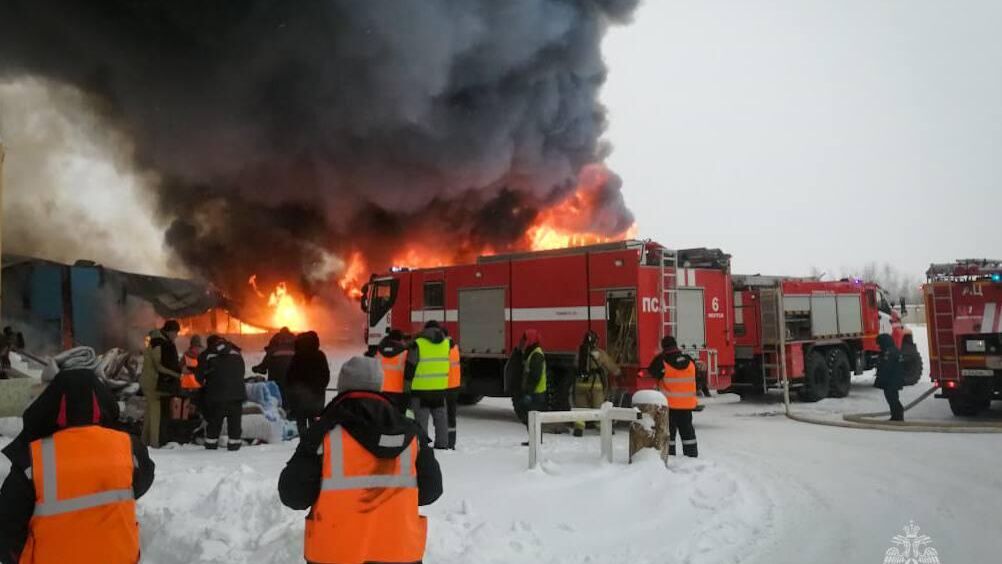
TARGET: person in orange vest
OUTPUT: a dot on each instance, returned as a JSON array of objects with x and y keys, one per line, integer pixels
[
  {"x": 455, "y": 382},
  {"x": 189, "y": 367},
  {"x": 391, "y": 352},
  {"x": 676, "y": 374},
  {"x": 71, "y": 492},
  {"x": 363, "y": 471}
]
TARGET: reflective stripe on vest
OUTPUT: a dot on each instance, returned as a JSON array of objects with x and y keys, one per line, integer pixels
[
  {"x": 50, "y": 504},
  {"x": 432, "y": 371},
  {"x": 393, "y": 373},
  {"x": 541, "y": 385},
  {"x": 339, "y": 482},
  {"x": 455, "y": 373},
  {"x": 679, "y": 386}
]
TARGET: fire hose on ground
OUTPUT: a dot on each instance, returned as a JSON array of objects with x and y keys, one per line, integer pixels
[{"x": 867, "y": 420}]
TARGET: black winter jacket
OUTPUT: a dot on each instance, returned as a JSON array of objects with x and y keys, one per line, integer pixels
[
  {"x": 221, "y": 370},
  {"x": 367, "y": 417},
  {"x": 308, "y": 377},
  {"x": 277, "y": 357},
  {"x": 890, "y": 376},
  {"x": 80, "y": 389},
  {"x": 169, "y": 357}
]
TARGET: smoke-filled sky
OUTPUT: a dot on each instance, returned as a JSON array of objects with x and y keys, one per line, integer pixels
[
  {"x": 791, "y": 134},
  {"x": 274, "y": 132},
  {"x": 812, "y": 132}
]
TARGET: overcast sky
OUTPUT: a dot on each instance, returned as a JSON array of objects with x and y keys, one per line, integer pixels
[{"x": 812, "y": 132}]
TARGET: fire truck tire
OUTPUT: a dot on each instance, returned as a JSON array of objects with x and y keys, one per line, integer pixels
[
  {"x": 967, "y": 405},
  {"x": 817, "y": 378},
  {"x": 841, "y": 373},
  {"x": 469, "y": 399},
  {"x": 911, "y": 363}
]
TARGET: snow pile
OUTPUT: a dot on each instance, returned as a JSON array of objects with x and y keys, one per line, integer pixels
[
  {"x": 649, "y": 397},
  {"x": 217, "y": 506}
]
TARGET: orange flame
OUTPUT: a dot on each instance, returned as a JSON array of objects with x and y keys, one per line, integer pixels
[
  {"x": 354, "y": 273},
  {"x": 570, "y": 223},
  {"x": 286, "y": 310}
]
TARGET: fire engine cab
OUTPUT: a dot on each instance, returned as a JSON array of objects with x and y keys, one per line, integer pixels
[
  {"x": 964, "y": 316},
  {"x": 814, "y": 333},
  {"x": 631, "y": 293}
]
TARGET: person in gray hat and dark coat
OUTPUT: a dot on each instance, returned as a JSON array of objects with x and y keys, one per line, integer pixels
[{"x": 364, "y": 429}]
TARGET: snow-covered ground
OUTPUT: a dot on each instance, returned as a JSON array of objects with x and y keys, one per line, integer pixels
[{"x": 765, "y": 490}]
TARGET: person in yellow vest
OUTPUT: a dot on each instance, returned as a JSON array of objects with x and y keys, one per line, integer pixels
[
  {"x": 676, "y": 374},
  {"x": 534, "y": 378},
  {"x": 363, "y": 470},
  {"x": 427, "y": 370},
  {"x": 391, "y": 352},
  {"x": 71, "y": 492},
  {"x": 455, "y": 382}
]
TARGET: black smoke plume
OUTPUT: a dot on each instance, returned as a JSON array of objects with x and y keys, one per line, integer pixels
[{"x": 281, "y": 131}]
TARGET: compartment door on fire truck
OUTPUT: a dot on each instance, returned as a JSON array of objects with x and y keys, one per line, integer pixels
[
  {"x": 691, "y": 332},
  {"x": 481, "y": 321}
]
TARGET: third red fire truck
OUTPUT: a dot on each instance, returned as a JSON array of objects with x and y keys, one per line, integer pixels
[
  {"x": 630, "y": 293},
  {"x": 964, "y": 316}
]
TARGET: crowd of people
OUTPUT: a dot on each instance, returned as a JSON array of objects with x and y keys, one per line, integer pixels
[{"x": 365, "y": 461}]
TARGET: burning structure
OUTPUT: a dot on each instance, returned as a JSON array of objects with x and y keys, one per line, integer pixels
[{"x": 305, "y": 144}]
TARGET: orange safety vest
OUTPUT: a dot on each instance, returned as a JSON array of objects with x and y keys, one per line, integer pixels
[
  {"x": 393, "y": 373},
  {"x": 455, "y": 374},
  {"x": 367, "y": 510},
  {"x": 679, "y": 386},
  {"x": 85, "y": 511},
  {"x": 188, "y": 380}
]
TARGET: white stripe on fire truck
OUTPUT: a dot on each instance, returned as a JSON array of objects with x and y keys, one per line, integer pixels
[
  {"x": 988, "y": 319},
  {"x": 576, "y": 313}
]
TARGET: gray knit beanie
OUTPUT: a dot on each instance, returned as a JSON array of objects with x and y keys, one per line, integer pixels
[{"x": 361, "y": 373}]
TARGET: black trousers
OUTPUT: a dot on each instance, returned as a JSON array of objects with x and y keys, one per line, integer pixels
[
  {"x": 894, "y": 402},
  {"x": 680, "y": 422},
  {"x": 451, "y": 405},
  {"x": 232, "y": 411}
]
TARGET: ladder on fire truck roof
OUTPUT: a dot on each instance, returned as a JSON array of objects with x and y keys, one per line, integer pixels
[
  {"x": 947, "y": 360},
  {"x": 965, "y": 270},
  {"x": 669, "y": 292}
]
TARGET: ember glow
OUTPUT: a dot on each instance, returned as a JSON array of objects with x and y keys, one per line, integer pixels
[{"x": 286, "y": 310}]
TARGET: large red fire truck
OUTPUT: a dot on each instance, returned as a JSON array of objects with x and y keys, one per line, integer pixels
[
  {"x": 814, "y": 333},
  {"x": 630, "y": 293},
  {"x": 964, "y": 316}
]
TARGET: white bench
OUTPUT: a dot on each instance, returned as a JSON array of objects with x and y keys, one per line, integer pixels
[{"x": 606, "y": 415}]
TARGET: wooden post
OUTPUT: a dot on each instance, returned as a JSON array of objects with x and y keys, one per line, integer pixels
[{"x": 652, "y": 430}]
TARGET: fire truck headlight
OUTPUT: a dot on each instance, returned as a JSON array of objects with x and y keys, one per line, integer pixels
[{"x": 976, "y": 345}]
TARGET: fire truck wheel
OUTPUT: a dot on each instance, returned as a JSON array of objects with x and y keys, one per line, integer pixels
[
  {"x": 817, "y": 378},
  {"x": 841, "y": 373},
  {"x": 911, "y": 363},
  {"x": 965, "y": 405},
  {"x": 469, "y": 399}
]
